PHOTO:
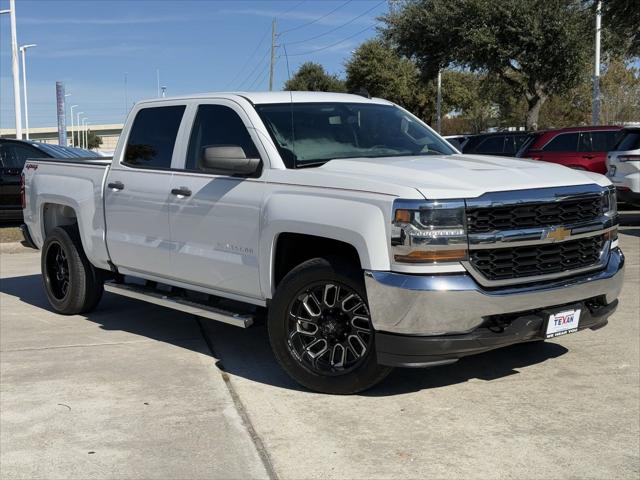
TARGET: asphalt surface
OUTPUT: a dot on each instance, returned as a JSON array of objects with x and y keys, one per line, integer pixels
[{"x": 137, "y": 391}]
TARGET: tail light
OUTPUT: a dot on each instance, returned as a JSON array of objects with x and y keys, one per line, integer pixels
[
  {"x": 629, "y": 158},
  {"x": 23, "y": 198}
]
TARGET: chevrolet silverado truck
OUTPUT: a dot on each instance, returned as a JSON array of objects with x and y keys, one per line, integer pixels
[{"x": 367, "y": 239}]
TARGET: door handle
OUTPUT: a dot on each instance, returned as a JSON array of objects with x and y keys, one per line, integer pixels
[
  {"x": 181, "y": 192},
  {"x": 116, "y": 185},
  {"x": 588, "y": 156}
]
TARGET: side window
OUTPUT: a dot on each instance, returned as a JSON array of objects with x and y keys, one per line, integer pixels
[
  {"x": 153, "y": 136},
  {"x": 566, "y": 142},
  {"x": 604, "y": 141},
  {"x": 584, "y": 143},
  {"x": 493, "y": 144},
  {"x": 217, "y": 125}
]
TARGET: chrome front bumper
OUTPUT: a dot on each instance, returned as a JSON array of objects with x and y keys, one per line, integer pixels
[{"x": 456, "y": 303}]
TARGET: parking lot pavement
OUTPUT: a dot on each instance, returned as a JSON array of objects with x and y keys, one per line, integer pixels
[
  {"x": 74, "y": 385},
  {"x": 130, "y": 391},
  {"x": 559, "y": 409}
]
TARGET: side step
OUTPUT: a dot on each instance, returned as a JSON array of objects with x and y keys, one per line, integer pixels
[{"x": 164, "y": 299}]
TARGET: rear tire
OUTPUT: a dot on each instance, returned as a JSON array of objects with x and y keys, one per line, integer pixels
[
  {"x": 72, "y": 284},
  {"x": 320, "y": 328}
]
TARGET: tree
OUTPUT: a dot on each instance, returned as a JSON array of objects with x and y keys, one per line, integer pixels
[
  {"x": 535, "y": 47},
  {"x": 93, "y": 140},
  {"x": 378, "y": 69},
  {"x": 621, "y": 19},
  {"x": 313, "y": 77},
  {"x": 620, "y": 89}
]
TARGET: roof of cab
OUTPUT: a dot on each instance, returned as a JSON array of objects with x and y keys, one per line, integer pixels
[{"x": 258, "y": 98}]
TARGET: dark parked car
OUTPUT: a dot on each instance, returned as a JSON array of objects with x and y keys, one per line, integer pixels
[
  {"x": 13, "y": 154},
  {"x": 582, "y": 148},
  {"x": 505, "y": 144}
]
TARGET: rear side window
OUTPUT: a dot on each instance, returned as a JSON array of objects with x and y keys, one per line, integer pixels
[
  {"x": 565, "y": 142},
  {"x": 217, "y": 125},
  {"x": 603, "y": 141},
  {"x": 631, "y": 141},
  {"x": 153, "y": 136}
]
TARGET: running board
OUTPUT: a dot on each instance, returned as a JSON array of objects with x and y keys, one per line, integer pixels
[{"x": 158, "y": 297}]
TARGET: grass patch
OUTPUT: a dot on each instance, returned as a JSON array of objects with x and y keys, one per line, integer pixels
[{"x": 10, "y": 234}]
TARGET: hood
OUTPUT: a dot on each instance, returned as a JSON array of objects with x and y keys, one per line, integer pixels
[{"x": 461, "y": 176}]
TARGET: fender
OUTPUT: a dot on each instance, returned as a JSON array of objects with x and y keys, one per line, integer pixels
[
  {"x": 84, "y": 198},
  {"x": 355, "y": 221}
]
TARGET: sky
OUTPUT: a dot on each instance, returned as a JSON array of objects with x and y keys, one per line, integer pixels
[{"x": 108, "y": 52}]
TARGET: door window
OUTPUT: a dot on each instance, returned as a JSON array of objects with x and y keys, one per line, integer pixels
[
  {"x": 153, "y": 136},
  {"x": 217, "y": 125},
  {"x": 493, "y": 144},
  {"x": 566, "y": 142},
  {"x": 604, "y": 141}
]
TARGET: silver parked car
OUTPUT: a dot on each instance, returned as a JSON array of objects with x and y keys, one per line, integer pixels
[{"x": 623, "y": 166}]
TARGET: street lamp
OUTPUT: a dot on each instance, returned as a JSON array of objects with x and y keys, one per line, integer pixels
[
  {"x": 86, "y": 135},
  {"x": 14, "y": 67},
  {"x": 84, "y": 132},
  {"x": 73, "y": 144},
  {"x": 78, "y": 126},
  {"x": 23, "y": 50}
]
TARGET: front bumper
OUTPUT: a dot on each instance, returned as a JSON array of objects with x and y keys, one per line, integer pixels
[
  {"x": 410, "y": 351},
  {"x": 455, "y": 303}
]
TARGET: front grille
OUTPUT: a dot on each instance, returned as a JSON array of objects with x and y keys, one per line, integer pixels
[
  {"x": 513, "y": 217},
  {"x": 527, "y": 261}
]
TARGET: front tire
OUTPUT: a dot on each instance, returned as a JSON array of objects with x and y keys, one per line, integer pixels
[
  {"x": 320, "y": 328},
  {"x": 72, "y": 284}
]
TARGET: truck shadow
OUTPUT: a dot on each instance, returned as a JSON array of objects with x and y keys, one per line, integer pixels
[{"x": 247, "y": 354}]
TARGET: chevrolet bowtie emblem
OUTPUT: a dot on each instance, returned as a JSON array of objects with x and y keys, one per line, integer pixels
[{"x": 556, "y": 234}]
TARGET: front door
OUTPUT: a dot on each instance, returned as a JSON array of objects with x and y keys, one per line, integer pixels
[
  {"x": 138, "y": 193},
  {"x": 215, "y": 219}
]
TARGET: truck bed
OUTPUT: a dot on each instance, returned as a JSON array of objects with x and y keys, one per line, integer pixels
[{"x": 77, "y": 184}]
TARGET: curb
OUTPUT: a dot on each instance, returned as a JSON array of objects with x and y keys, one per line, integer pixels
[{"x": 13, "y": 247}]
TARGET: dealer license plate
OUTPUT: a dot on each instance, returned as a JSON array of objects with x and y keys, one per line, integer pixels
[{"x": 563, "y": 322}]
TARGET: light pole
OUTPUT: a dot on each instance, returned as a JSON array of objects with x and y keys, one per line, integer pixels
[
  {"x": 78, "y": 126},
  {"x": 23, "y": 50},
  {"x": 84, "y": 132},
  {"x": 595, "y": 112},
  {"x": 73, "y": 143},
  {"x": 14, "y": 68}
]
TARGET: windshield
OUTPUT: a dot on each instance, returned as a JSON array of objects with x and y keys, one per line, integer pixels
[{"x": 309, "y": 134}]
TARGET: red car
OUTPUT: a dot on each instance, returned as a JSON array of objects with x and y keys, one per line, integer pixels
[{"x": 583, "y": 148}]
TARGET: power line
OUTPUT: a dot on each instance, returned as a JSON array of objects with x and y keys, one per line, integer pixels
[
  {"x": 248, "y": 60},
  {"x": 339, "y": 26},
  {"x": 291, "y": 9},
  {"x": 262, "y": 78},
  {"x": 317, "y": 19},
  {"x": 258, "y": 63},
  {"x": 333, "y": 44}
]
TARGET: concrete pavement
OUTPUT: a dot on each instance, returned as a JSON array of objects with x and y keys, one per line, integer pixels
[
  {"x": 130, "y": 391},
  {"x": 136, "y": 385}
]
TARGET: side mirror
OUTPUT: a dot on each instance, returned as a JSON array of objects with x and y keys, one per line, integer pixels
[{"x": 227, "y": 160}]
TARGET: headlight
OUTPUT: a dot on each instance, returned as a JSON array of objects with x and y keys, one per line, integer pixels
[
  {"x": 428, "y": 231},
  {"x": 610, "y": 203}
]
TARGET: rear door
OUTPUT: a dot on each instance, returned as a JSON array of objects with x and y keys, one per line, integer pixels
[
  {"x": 137, "y": 193},
  {"x": 594, "y": 145},
  {"x": 215, "y": 218}
]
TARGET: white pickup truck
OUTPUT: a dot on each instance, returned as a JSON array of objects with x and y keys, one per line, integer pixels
[{"x": 370, "y": 241}]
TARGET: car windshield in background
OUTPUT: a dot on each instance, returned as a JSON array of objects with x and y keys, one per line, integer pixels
[{"x": 309, "y": 134}]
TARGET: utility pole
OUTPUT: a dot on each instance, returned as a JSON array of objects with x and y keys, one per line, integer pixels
[
  {"x": 73, "y": 142},
  {"x": 14, "y": 68},
  {"x": 273, "y": 53},
  {"x": 595, "y": 113},
  {"x": 439, "y": 103}
]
